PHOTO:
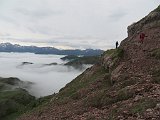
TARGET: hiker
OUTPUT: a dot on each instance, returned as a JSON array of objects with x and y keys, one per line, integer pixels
[
  {"x": 142, "y": 36},
  {"x": 117, "y": 44}
]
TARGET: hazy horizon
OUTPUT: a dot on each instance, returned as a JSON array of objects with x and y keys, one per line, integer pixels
[{"x": 48, "y": 46}]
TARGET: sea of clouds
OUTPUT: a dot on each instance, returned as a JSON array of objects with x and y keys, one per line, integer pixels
[{"x": 47, "y": 79}]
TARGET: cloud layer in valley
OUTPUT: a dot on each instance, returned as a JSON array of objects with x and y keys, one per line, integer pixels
[{"x": 34, "y": 68}]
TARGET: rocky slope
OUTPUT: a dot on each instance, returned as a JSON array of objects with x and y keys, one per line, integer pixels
[{"x": 124, "y": 85}]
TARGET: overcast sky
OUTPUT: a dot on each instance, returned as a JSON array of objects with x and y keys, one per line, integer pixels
[{"x": 70, "y": 23}]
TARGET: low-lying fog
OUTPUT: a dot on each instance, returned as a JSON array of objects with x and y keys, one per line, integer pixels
[{"x": 47, "y": 78}]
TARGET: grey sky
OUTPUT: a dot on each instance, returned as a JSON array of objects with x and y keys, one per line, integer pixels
[{"x": 70, "y": 23}]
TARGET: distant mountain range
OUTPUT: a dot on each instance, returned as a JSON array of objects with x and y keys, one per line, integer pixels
[{"x": 8, "y": 47}]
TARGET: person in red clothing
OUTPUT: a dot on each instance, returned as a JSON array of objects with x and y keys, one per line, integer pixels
[{"x": 142, "y": 36}]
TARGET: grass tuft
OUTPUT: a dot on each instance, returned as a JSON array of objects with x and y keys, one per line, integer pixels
[{"x": 143, "y": 105}]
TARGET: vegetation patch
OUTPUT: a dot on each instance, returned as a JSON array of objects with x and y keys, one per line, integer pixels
[
  {"x": 12, "y": 102},
  {"x": 39, "y": 102},
  {"x": 113, "y": 56},
  {"x": 83, "y": 60},
  {"x": 143, "y": 105},
  {"x": 156, "y": 53},
  {"x": 70, "y": 57},
  {"x": 80, "y": 82},
  {"x": 107, "y": 83},
  {"x": 156, "y": 76},
  {"x": 112, "y": 114},
  {"x": 91, "y": 117},
  {"x": 109, "y": 52},
  {"x": 10, "y": 81},
  {"x": 13, "y": 99},
  {"x": 118, "y": 53},
  {"x": 157, "y": 9},
  {"x": 115, "y": 53},
  {"x": 156, "y": 80},
  {"x": 128, "y": 82},
  {"x": 101, "y": 98},
  {"x": 124, "y": 94},
  {"x": 95, "y": 100}
]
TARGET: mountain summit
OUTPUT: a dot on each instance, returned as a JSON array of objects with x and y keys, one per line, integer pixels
[{"x": 124, "y": 85}]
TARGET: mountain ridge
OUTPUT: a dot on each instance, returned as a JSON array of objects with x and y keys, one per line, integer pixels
[{"x": 8, "y": 47}]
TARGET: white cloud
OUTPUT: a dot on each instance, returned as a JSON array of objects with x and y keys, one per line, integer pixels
[{"x": 70, "y": 22}]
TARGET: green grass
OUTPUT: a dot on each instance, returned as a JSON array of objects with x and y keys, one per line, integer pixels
[
  {"x": 156, "y": 76},
  {"x": 126, "y": 81},
  {"x": 115, "y": 53},
  {"x": 95, "y": 100},
  {"x": 91, "y": 117},
  {"x": 112, "y": 114},
  {"x": 124, "y": 94},
  {"x": 69, "y": 57},
  {"x": 80, "y": 82},
  {"x": 101, "y": 98},
  {"x": 156, "y": 80},
  {"x": 12, "y": 116},
  {"x": 143, "y": 105},
  {"x": 109, "y": 52},
  {"x": 39, "y": 102},
  {"x": 12, "y": 102},
  {"x": 116, "y": 56},
  {"x": 3, "y": 86},
  {"x": 83, "y": 60},
  {"x": 18, "y": 95},
  {"x": 10, "y": 81},
  {"x": 156, "y": 53},
  {"x": 15, "y": 109}
]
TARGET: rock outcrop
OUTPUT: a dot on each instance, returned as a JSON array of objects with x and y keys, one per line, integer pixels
[
  {"x": 150, "y": 21},
  {"x": 124, "y": 85}
]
